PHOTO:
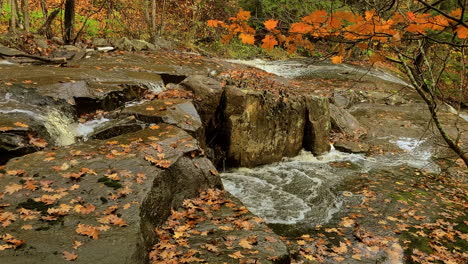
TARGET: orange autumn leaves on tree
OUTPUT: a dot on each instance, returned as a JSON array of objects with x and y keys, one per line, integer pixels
[{"x": 350, "y": 27}]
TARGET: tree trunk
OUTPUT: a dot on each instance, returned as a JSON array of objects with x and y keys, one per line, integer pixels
[
  {"x": 163, "y": 13},
  {"x": 13, "y": 16},
  {"x": 25, "y": 9},
  {"x": 45, "y": 29},
  {"x": 45, "y": 12},
  {"x": 69, "y": 21},
  {"x": 153, "y": 21}
]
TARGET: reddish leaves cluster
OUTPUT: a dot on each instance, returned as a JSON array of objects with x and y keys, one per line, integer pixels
[{"x": 366, "y": 28}]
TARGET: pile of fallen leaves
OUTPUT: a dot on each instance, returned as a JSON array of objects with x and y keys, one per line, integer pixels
[
  {"x": 420, "y": 219},
  {"x": 223, "y": 237}
]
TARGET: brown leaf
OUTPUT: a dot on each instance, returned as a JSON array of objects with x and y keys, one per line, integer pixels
[
  {"x": 87, "y": 230},
  {"x": 245, "y": 243},
  {"x": 236, "y": 255},
  {"x": 69, "y": 256}
]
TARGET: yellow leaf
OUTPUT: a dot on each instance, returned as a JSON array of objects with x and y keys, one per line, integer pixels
[
  {"x": 20, "y": 124},
  {"x": 236, "y": 255},
  {"x": 245, "y": 243}
]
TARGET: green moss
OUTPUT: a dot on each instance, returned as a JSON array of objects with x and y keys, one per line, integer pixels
[
  {"x": 404, "y": 196},
  {"x": 417, "y": 242},
  {"x": 30, "y": 204},
  {"x": 110, "y": 183}
]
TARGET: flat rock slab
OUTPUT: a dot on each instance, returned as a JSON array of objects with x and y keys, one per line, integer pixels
[
  {"x": 217, "y": 228},
  {"x": 100, "y": 200},
  {"x": 351, "y": 146},
  {"x": 179, "y": 112}
]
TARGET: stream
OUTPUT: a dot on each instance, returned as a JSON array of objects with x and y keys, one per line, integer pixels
[{"x": 302, "y": 192}]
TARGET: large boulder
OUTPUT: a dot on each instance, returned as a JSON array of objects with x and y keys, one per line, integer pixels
[
  {"x": 123, "y": 44},
  {"x": 207, "y": 92},
  {"x": 346, "y": 123},
  {"x": 139, "y": 45},
  {"x": 100, "y": 42},
  {"x": 100, "y": 200},
  {"x": 261, "y": 128},
  {"x": 317, "y": 126}
]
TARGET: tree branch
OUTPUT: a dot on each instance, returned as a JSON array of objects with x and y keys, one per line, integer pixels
[{"x": 460, "y": 21}]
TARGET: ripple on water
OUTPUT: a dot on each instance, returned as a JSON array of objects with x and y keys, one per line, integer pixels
[{"x": 308, "y": 190}]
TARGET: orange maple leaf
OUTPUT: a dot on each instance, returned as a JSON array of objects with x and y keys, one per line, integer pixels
[
  {"x": 301, "y": 28},
  {"x": 269, "y": 42},
  {"x": 462, "y": 32},
  {"x": 271, "y": 24},
  {"x": 243, "y": 15},
  {"x": 337, "y": 59},
  {"x": 247, "y": 38},
  {"x": 69, "y": 256}
]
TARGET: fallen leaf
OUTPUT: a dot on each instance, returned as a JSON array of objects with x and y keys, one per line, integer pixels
[{"x": 69, "y": 256}]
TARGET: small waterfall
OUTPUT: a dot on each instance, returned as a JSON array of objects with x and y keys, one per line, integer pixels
[{"x": 60, "y": 127}]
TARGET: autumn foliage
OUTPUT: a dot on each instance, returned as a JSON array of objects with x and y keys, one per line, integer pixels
[{"x": 343, "y": 27}]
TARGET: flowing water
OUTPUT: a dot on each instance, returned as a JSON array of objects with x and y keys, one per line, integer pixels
[
  {"x": 306, "y": 190},
  {"x": 303, "y": 68},
  {"x": 62, "y": 128}
]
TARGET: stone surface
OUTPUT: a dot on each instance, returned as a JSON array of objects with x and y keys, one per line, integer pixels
[
  {"x": 123, "y": 44},
  {"x": 351, "y": 146},
  {"x": 179, "y": 112},
  {"x": 215, "y": 228},
  {"x": 117, "y": 127},
  {"x": 100, "y": 42},
  {"x": 344, "y": 122},
  {"x": 207, "y": 93},
  {"x": 260, "y": 128},
  {"x": 117, "y": 174},
  {"x": 317, "y": 127}
]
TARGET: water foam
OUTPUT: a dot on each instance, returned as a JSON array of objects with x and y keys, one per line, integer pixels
[
  {"x": 302, "y": 68},
  {"x": 303, "y": 189}
]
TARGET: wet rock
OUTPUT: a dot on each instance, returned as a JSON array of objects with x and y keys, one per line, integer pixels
[
  {"x": 351, "y": 146},
  {"x": 344, "y": 122},
  {"x": 317, "y": 126},
  {"x": 121, "y": 184},
  {"x": 69, "y": 52},
  {"x": 207, "y": 93},
  {"x": 345, "y": 99},
  {"x": 115, "y": 128},
  {"x": 14, "y": 145},
  {"x": 260, "y": 128},
  {"x": 383, "y": 98},
  {"x": 228, "y": 229},
  {"x": 179, "y": 112},
  {"x": 9, "y": 51},
  {"x": 25, "y": 121}
]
